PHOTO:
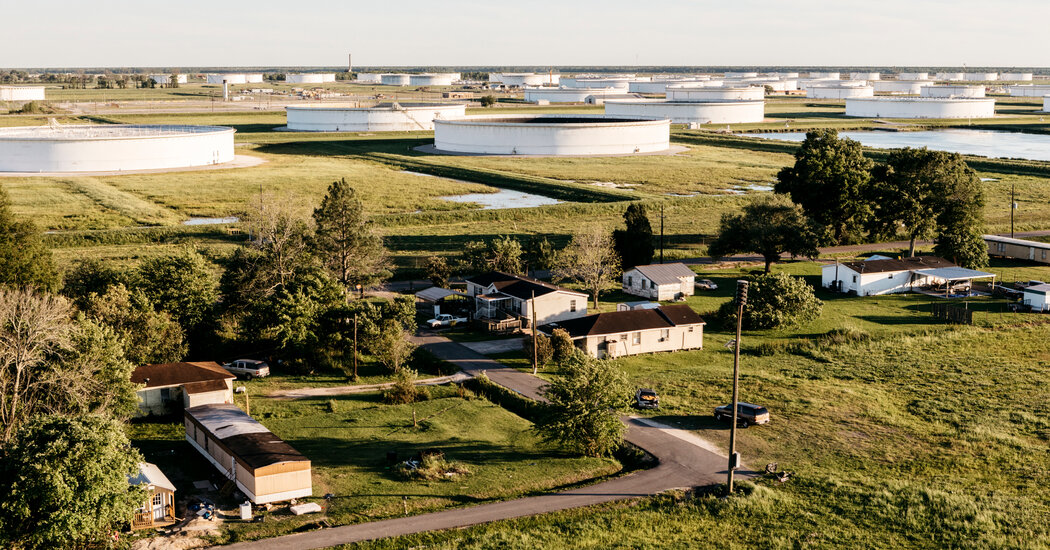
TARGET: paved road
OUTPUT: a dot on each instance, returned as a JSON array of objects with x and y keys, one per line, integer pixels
[
  {"x": 301, "y": 393},
  {"x": 684, "y": 461}
]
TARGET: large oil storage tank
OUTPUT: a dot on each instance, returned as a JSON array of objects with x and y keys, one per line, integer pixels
[
  {"x": 865, "y": 76},
  {"x": 165, "y": 79},
  {"x": 1016, "y": 77},
  {"x": 229, "y": 78},
  {"x": 621, "y": 83},
  {"x": 521, "y": 80},
  {"x": 903, "y": 87},
  {"x": 568, "y": 95},
  {"x": 309, "y": 78},
  {"x": 821, "y": 75},
  {"x": 395, "y": 79},
  {"x": 255, "y": 78},
  {"x": 687, "y": 112},
  {"x": 913, "y": 76},
  {"x": 1046, "y": 104},
  {"x": 950, "y": 77},
  {"x": 430, "y": 79},
  {"x": 830, "y": 91},
  {"x": 368, "y": 78},
  {"x": 980, "y": 77},
  {"x": 551, "y": 135},
  {"x": 688, "y": 92},
  {"x": 740, "y": 74},
  {"x": 1030, "y": 90},
  {"x": 389, "y": 117},
  {"x": 659, "y": 86},
  {"x": 920, "y": 107},
  {"x": 112, "y": 147},
  {"x": 944, "y": 90},
  {"x": 21, "y": 93}
]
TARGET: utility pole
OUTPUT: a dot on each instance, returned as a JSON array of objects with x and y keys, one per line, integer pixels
[
  {"x": 661, "y": 233},
  {"x": 734, "y": 458},
  {"x": 355, "y": 347},
  {"x": 535, "y": 335},
  {"x": 1013, "y": 206}
]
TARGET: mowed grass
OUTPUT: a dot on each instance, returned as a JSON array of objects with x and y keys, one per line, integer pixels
[{"x": 347, "y": 439}]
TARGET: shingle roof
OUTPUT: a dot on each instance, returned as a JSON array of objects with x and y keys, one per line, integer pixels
[
  {"x": 176, "y": 374},
  {"x": 903, "y": 264},
  {"x": 665, "y": 274},
  {"x": 517, "y": 285},
  {"x": 618, "y": 322}
]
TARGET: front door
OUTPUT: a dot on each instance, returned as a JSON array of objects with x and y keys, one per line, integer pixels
[
  {"x": 158, "y": 506},
  {"x": 603, "y": 349}
]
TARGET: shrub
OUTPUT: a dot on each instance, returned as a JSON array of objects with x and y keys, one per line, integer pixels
[
  {"x": 405, "y": 390},
  {"x": 775, "y": 300},
  {"x": 488, "y": 100},
  {"x": 433, "y": 467},
  {"x": 544, "y": 348},
  {"x": 562, "y": 347}
]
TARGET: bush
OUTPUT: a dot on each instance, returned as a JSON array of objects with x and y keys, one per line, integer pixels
[
  {"x": 488, "y": 101},
  {"x": 433, "y": 467},
  {"x": 405, "y": 390},
  {"x": 562, "y": 346},
  {"x": 544, "y": 348},
  {"x": 775, "y": 300}
]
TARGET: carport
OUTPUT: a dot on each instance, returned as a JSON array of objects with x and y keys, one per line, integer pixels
[{"x": 954, "y": 277}]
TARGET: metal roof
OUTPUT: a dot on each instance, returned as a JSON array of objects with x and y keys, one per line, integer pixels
[
  {"x": 225, "y": 420},
  {"x": 663, "y": 274},
  {"x": 954, "y": 273},
  {"x": 1011, "y": 240},
  {"x": 1043, "y": 289},
  {"x": 436, "y": 293},
  {"x": 150, "y": 474}
]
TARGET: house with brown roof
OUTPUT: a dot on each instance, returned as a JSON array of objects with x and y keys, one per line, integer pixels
[
  {"x": 498, "y": 294},
  {"x": 662, "y": 282},
  {"x": 167, "y": 387},
  {"x": 632, "y": 332},
  {"x": 882, "y": 275}
]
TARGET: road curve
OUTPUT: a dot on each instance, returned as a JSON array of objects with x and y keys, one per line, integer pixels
[{"x": 681, "y": 464}]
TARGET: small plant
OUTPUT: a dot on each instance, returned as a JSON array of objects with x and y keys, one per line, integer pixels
[
  {"x": 433, "y": 467},
  {"x": 404, "y": 390},
  {"x": 332, "y": 406}
]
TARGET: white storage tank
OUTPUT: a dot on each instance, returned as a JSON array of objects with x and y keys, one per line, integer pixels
[
  {"x": 814, "y": 75},
  {"x": 686, "y": 112},
  {"x": 305, "y": 78},
  {"x": 689, "y": 92},
  {"x": 658, "y": 85},
  {"x": 737, "y": 74},
  {"x": 786, "y": 76},
  {"x": 942, "y": 90},
  {"x": 229, "y": 78},
  {"x": 865, "y": 76},
  {"x": 165, "y": 79},
  {"x": 368, "y": 78},
  {"x": 255, "y": 78},
  {"x": 950, "y": 77},
  {"x": 112, "y": 147},
  {"x": 394, "y": 79},
  {"x": 980, "y": 77},
  {"x": 920, "y": 107},
  {"x": 551, "y": 135},
  {"x": 1017, "y": 77},
  {"x": 521, "y": 80},
  {"x": 430, "y": 80},
  {"x": 390, "y": 117},
  {"x": 1030, "y": 90},
  {"x": 913, "y": 76},
  {"x": 1046, "y": 104},
  {"x": 621, "y": 83},
  {"x": 839, "y": 92},
  {"x": 905, "y": 87},
  {"x": 568, "y": 95},
  {"x": 21, "y": 93}
]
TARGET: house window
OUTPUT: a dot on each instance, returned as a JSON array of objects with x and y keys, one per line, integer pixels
[
  {"x": 572, "y": 305},
  {"x": 636, "y": 339},
  {"x": 690, "y": 329},
  {"x": 665, "y": 334},
  {"x": 1043, "y": 254},
  {"x": 643, "y": 284},
  {"x": 158, "y": 499},
  {"x": 165, "y": 394},
  {"x": 1002, "y": 247},
  {"x": 854, "y": 278},
  {"x": 630, "y": 281}
]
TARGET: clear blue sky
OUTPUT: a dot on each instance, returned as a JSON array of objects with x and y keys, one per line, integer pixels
[{"x": 79, "y": 33}]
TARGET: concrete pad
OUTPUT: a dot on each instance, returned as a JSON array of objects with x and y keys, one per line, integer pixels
[{"x": 490, "y": 347}]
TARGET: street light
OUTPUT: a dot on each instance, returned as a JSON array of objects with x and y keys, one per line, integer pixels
[{"x": 741, "y": 299}]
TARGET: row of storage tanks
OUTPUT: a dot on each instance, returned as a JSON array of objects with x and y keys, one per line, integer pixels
[{"x": 409, "y": 79}]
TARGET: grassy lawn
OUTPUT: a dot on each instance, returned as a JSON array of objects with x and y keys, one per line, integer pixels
[{"x": 347, "y": 439}]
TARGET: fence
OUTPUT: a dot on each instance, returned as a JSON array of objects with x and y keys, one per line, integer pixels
[{"x": 953, "y": 313}]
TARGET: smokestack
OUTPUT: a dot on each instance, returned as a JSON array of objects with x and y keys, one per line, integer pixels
[
  {"x": 349, "y": 63},
  {"x": 225, "y": 90}
]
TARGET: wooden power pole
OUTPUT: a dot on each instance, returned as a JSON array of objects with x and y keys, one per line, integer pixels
[
  {"x": 734, "y": 458},
  {"x": 535, "y": 335},
  {"x": 355, "y": 347}
]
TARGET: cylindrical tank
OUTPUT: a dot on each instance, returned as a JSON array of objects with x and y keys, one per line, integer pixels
[
  {"x": 952, "y": 91},
  {"x": 1030, "y": 90},
  {"x": 368, "y": 78},
  {"x": 820, "y": 75},
  {"x": 21, "y": 93},
  {"x": 685, "y": 112},
  {"x": 905, "y": 87},
  {"x": 1046, "y": 104},
  {"x": 1017, "y": 77},
  {"x": 864, "y": 76},
  {"x": 920, "y": 107},
  {"x": 430, "y": 80},
  {"x": 913, "y": 76},
  {"x": 112, "y": 147},
  {"x": 658, "y": 86},
  {"x": 839, "y": 92},
  {"x": 254, "y": 78},
  {"x": 304, "y": 78},
  {"x": 737, "y": 74},
  {"x": 980, "y": 77},
  {"x": 403, "y": 117},
  {"x": 395, "y": 79},
  {"x": 229, "y": 78},
  {"x": 621, "y": 83},
  {"x": 551, "y": 135},
  {"x": 568, "y": 95},
  {"x": 521, "y": 80},
  {"x": 950, "y": 77},
  {"x": 683, "y": 92}
]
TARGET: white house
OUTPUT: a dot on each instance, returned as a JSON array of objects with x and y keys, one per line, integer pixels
[
  {"x": 1035, "y": 297},
  {"x": 499, "y": 294},
  {"x": 661, "y": 282},
  {"x": 881, "y": 275},
  {"x": 635, "y": 331},
  {"x": 189, "y": 384}
]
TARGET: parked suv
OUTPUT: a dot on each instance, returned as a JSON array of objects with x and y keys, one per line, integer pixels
[
  {"x": 249, "y": 368},
  {"x": 746, "y": 413},
  {"x": 646, "y": 399}
]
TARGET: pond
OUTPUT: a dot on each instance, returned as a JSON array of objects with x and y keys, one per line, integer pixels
[
  {"x": 985, "y": 143},
  {"x": 505, "y": 198}
]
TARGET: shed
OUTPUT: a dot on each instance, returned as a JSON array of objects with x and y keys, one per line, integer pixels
[
  {"x": 661, "y": 282},
  {"x": 158, "y": 510},
  {"x": 438, "y": 297},
  {"x": 1035, "y": 297}
]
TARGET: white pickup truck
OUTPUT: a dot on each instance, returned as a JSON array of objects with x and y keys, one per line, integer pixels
[
  {"x": 249, "y": 368},
  {"x": 445, "y": 320}
]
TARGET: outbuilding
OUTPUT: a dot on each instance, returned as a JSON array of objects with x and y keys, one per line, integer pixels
[
  {"x": 158, "y": 510},
  {"x": 1035, "y": 297},
  {"x": 168, "y": 386},
  {"x": 635, "y": 331},
  {"x": 660, "y": 282}
]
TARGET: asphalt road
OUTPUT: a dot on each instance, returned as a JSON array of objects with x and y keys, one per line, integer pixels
[{"x": 684, "y": 461}]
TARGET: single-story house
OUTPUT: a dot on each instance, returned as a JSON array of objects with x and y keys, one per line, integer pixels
[
  {"x": 643, "y": 304},
  {"x": 432, "y": 300},
  {"x": 169, "y": 386},
  {"x": 264, "y": 467},
  {"x": 498, "y": 294},
  {"x": 1035, "y": 297},
  {"x": 881, "y": 275},
  {"x": 662, "y": 282},
  {"x": 635, "y": 331},
  {"x": 1021, "y": 249},
  {"x": 158, "y": 510}
]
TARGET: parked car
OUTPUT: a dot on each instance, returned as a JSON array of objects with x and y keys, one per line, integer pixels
[
  {"x": 645, "y": 398},
  {"x": 706, "y": 284},
  {"x": 445, "y": 320},
  {"x": 1025, "y": 284},
  {"x": 249, "y": 368},
  {"x": 746, "y": 414}
]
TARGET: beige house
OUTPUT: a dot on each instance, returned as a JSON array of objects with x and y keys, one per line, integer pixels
[
  {"x": 661, "y": 282},
  {"x": 159, "y": 508},
  {"x": 499, "y": 295},
  {"x": 636, "y": 331},
  {"x": 170, "y": 386},
  {"x": 1007, "y": 247},
  {"x": 263, "y": 466}
]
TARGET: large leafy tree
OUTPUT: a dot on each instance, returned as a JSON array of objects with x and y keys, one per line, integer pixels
[
  {"x": 829, "y": 180},
  {"x": 769, "y": 226},
  {"x": 181, "y": 285},
  {"x": 776, "y": 300},
  {"x": 88, "y": 277},
  {"x": 634, "y": 244},
  {"x": 438, "y": 271},
  {"x": 65, "y": 483},
  {"x": 504, "y": 253},
  {"x": 149, "y": 336},
  {"x": 345, "y": 240},
  {"x": 584, "y": 406},
  {"x": 25, "y": 261},
  {"x": 591, "y": 260},
  {"x": 961, "y": 221}
]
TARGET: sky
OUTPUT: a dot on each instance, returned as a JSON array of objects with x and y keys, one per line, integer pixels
[{"x": 195, "y": 33}]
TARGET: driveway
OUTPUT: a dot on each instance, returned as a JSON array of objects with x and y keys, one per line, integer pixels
[
  {"x": 492, "y": 347},
  {"x": 684, "y": 461}
]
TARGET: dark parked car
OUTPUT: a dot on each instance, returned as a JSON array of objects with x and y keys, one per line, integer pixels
[
  {"x": 646, "y": 399},
  {"x": 746, "y": 413}
]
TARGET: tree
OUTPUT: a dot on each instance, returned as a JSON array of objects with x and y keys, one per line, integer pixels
[
  {"x": 488, "y": 100},
  {"x": 830, "y": 180},
  {"x": 562, "y": 348},
  {"x": 591, "y": 260},
  {"x": 775, "y": 300},
  {"x": 391, "y": 345},
  {"x": 961, "y": 221},
  {"x": 345, "y": 240},
  {"x": 438, "y": 271},
  {"x": 404, "y": 390},
  {"x": 65, "y": 483},
  {"x": 505, "y": 255},
  {"x": 149, "y": 336},
  {"x": 584, "y": 404},
  {"x": 24, "y": 258},
  {"x": 769, "y": 226},
  {"x": 183, "y": 287},
  {"x": 89, "y": 277},
  {"x": 280, "y": 231},
  {"x": 475, "y": 257},
  {"x": 635, "y": 243},
  {"x": 540, "y": 254},
  {"x": 173, "y": 80},
  {"x": 544, "y": 348}
]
